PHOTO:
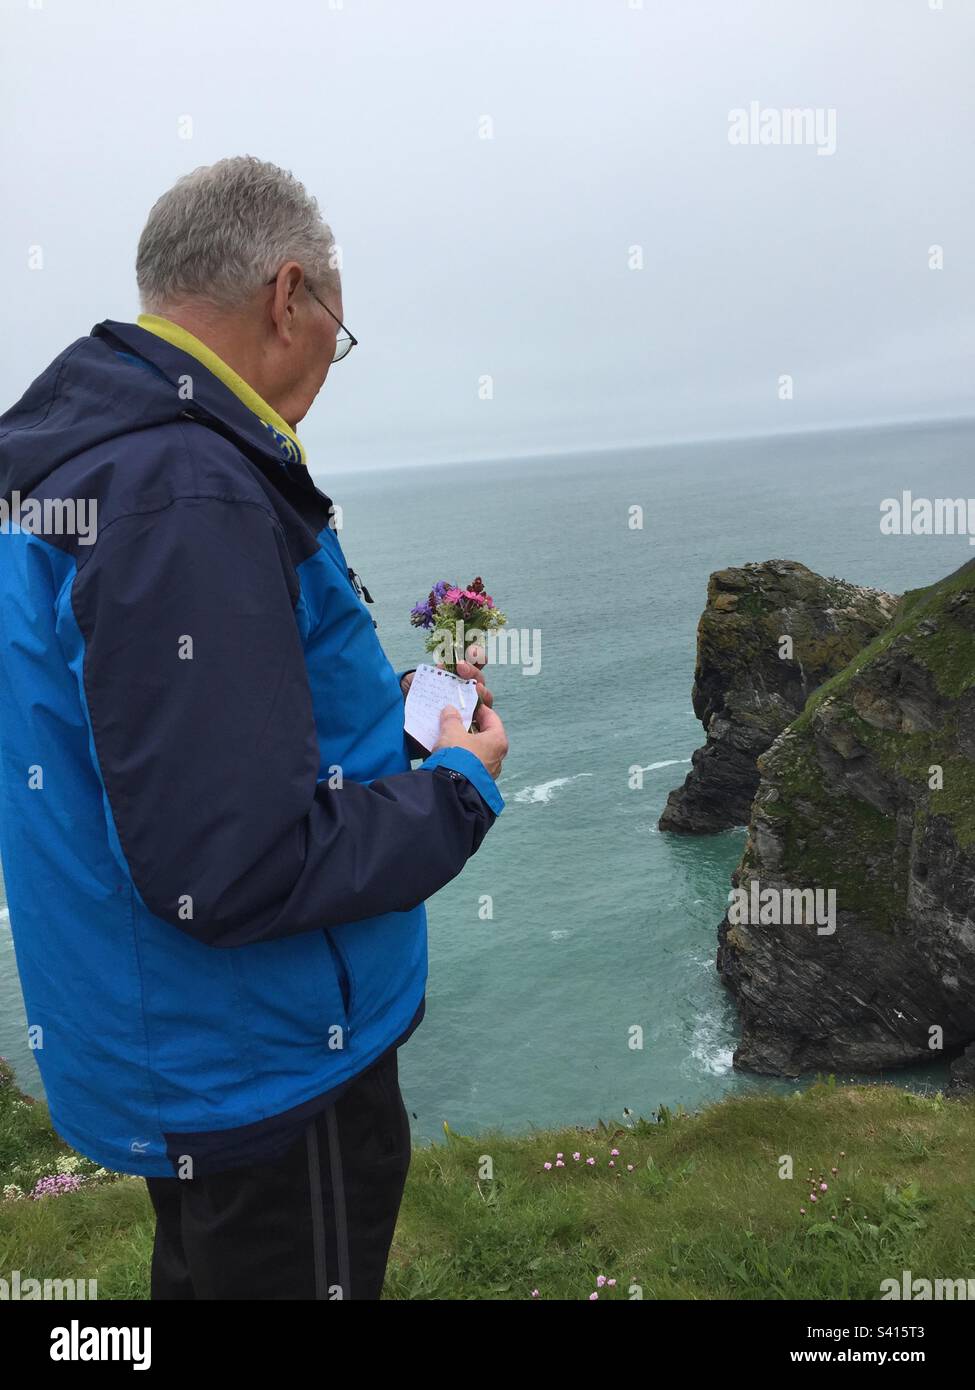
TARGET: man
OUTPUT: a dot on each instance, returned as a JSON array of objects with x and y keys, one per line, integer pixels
[{"x": 215, "y": 849}]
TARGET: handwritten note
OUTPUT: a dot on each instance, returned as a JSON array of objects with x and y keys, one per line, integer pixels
[{"x": 430, "y": 690}]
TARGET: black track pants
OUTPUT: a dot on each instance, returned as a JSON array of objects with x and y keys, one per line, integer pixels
[{"x": 316, "y": 1223}]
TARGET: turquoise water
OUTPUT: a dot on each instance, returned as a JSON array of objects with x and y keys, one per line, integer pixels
[{"x": 600, "y": 924}]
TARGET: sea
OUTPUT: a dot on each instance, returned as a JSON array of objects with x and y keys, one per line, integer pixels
[{"x": 572, "y": 973}]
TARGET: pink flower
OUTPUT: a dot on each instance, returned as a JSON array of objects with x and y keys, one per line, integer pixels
[
  {"x": 629, "y": 1167},
  {"x": 590, "y": 1161},
  {"x": 614, "y": 1153},
  {"x": 559, "y": 1163},
  {"x": 822, "y": 1187},
  {"x": 612, "y": 1162},
  {"x": 55, "y": 1184},
  {"x": 453, "y": 595},
  {"x": 813, "y": 1197},
  {"x": 546, "y": 1165},
  {"x": 577, "y": 1157},
  {"x": 534, "y": 1293},
  {"x": 802, "y": 1211},
  {"x": 560, "y": 1155},
  {"x": 593, "y": 1295},
  {"x": 611, "y": 1283},
  {"x": 600, "y": 1280}
]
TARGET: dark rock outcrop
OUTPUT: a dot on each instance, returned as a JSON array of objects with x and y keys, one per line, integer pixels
[
  {"x": 963, "y": 1073},
  {"x": 745, "y": 692},
  {"x": 870, "y": 793}
]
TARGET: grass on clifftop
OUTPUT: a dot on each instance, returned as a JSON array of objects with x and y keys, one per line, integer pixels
[{"x": 702, "y": 1213}]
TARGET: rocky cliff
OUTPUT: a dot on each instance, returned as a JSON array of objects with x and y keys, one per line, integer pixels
[
  {"x": 745, "y": 692},
  {"x": 869, "y": 794}
]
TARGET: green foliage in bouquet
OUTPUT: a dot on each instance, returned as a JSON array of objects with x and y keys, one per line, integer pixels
[{"x": 455, "y": 618}]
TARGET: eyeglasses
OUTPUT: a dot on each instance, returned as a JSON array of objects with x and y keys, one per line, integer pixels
[{"x": 344, "y": 342}]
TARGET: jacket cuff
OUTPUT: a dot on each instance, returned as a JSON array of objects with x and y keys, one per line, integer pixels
[{"x": 462, "y": 761}]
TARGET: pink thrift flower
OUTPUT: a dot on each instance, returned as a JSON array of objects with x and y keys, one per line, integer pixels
[
  {"x": 546, "y": 1165},
  {"x": 822, "y": 1187},
  {"x": 629, "y": 1167},
  {"x": 802, "y": 1211},
  {"x": 614, "y": 1153},
  {"x": 593, "y": 1295},
  {"x": 611, "y": 1283},
  {"x": 612, "y": 1162},
  {"x": 560, "y": 1155},
  {"x": 55, "y": 1185},
  {"x": 577, "y": 1157},
  {"x": 559, "y": 1163},
  {"x": 813, "y": 1197},
  {"x": 534, "y": 1293},
  {"x": 590, "y": 1160}
]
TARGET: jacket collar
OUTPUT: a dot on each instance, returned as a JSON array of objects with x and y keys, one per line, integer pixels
[
  {"x": 215, "y": 404},
  {"x": 210, "y": 395}
]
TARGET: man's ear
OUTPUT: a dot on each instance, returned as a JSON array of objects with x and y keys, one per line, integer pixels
[{"x": 284, "y": 300}]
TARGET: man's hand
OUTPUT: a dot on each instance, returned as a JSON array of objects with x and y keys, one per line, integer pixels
[
  {"x": 489, "y": 743},
  {"x": 487, "y": 739},
  {"x": 467, "y": 670}
]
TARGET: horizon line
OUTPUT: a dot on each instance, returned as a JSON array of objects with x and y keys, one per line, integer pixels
[{"x": 672, "y": 442}]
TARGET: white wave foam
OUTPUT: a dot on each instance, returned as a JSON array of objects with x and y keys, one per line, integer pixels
[
  {"x": 667, "y": 762},
  {"x": 546, "y": 790},
  {"x": 712, "y": 1054}
]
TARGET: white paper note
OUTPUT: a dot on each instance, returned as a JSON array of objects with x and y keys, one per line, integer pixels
[{"x": 430, "y": 690}]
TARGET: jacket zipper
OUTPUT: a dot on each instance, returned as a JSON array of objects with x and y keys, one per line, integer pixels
[
  {"x": 345, "y": 984},
  {"x": 362, "y": 592}
]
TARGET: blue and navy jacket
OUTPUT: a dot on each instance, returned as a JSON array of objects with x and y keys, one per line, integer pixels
[{"x": 215, "y": 850}]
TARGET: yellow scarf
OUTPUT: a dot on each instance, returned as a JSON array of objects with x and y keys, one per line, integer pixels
[{"x": 282, "y": 433}]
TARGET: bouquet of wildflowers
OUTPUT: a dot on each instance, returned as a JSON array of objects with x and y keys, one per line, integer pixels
[{"x": 455, "y": 618}]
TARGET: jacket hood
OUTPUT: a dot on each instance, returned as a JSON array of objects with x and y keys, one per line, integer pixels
[{"x": 119, "y": 379}]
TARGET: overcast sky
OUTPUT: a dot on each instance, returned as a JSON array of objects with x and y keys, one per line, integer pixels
[{"x": 511, "y": 257}]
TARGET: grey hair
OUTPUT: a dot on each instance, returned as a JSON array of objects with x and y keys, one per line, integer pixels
[{"x": 227, "y": 228}]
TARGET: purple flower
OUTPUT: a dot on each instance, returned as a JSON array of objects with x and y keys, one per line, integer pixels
[
  {"x": 421, "y": 615},
  {"x": 55, "y": 1184}
]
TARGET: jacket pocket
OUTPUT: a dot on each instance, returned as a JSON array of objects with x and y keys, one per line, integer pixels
[
  {"x": 343, "y": 971},
  {"x": 289, "y": 993}
]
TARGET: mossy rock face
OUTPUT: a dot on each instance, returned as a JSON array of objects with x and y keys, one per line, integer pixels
[
  {"x": 770, "y": 635},
  {"x": 870, "y": 795}
]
